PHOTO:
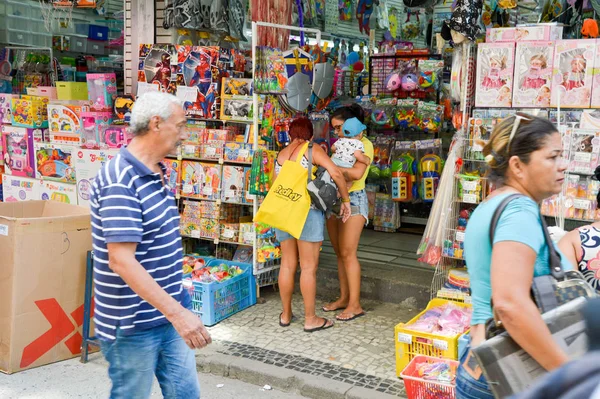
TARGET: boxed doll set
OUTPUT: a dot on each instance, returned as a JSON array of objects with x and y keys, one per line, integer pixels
[
  {"x": 524, "y": 33},
  {"x": 495, "y": 70},
  {"x": 573, "y": 73},
  {"x": 18, "y": 151},
  {"x": 533, "y": 74}
]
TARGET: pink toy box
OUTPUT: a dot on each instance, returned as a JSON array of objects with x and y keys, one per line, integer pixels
[
  {"x": 572, "y": 77},
  {"x": 533, "y": 74},
  {"x": 102, "y": 88},
  {"x": 5, "y": 108},
  {"x": 18, "y": 151},
  {"x": 524, "y": 33},
  {"x": 93, "y": 125},
  {"x": 16, "y": 188},
  {"x": 495, "y": 67},
  {"x": 596, "y": 80}
]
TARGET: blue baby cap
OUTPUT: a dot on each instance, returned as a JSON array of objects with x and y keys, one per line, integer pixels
[{"x": 353, "y": 127}]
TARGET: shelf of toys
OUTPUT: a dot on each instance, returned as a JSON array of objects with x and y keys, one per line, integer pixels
[{"x": 406, "y": 117}]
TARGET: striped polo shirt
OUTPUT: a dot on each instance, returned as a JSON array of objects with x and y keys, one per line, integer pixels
[{"x": 130, "y": 204}]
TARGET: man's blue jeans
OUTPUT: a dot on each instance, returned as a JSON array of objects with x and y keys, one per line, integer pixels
[{"x": 135, "y": 359}]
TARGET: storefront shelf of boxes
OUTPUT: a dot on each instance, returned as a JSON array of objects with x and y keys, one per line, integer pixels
[{"x": 22, "y": 24}]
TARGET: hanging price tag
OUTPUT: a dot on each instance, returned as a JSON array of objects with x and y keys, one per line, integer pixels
[
  {"x": 196, "y": 233},
  {"x": 470, "y": 198},
  {"x": 249, "y": 237},
  {"x": 210, "y": 151},
  {"x": 187, "y": 189},
  {"x": 460, "y": 236},
  {"x": 207, "y": 190},
  {"x": 581, "y": 204},
  {"x": 469, "y": 185},
  {"x": 244, "y": 154},
  {"x": 230, "y": 194},
  {"x": 228, "y": 233},
  {"x": 189, "y": 150},
  {"x": 405, "y": 338}
]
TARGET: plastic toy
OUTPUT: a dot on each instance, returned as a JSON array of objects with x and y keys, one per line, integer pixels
[
  {"x": 409, "y": 82},
  {"x": 18, "y": 151},
  {"x": 393, "y": 81},
  {"x": 380, "y": 117},
  {"x": 430, "y": 169},
  {"x": 101, "y": 89},
  {"x": 115, "y": 136},
  {"x": 54, "y": 163},
  {"x": 93, "y": 123},
  {"x": 404, "y": 188}
]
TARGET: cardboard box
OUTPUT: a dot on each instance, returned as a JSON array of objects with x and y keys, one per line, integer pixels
[
  {"x": 61, "y": 192},
  {"x": 573, "y": 73},
  {"x": 15, "y": 188},
  {"x": 87, "y": 165},
  {"x": 44, "y": 246}
]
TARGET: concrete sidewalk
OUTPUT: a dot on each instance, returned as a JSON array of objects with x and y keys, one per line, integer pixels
[{"x": 350, "y": 358}]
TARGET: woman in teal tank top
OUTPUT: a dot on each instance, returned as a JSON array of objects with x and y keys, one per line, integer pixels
[{"x": 524, "y": 156}]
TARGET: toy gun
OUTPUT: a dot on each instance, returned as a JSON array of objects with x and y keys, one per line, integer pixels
[
  {"x": 430, "y": 169},
  {"x": 403, "y": 179}
]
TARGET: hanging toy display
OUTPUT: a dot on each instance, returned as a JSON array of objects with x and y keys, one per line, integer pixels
[
  {"x": 393, "y": 81},
  {"x": 345, "y": 10},
  {"x": 405, "y": 116},
  {"x": 430, "y": 168},
  {"x": 429, "y": 70},
  {"x": 364, "y": 10},
  {"x": 409, "y": 82},
  {"x": 404, "y": 171}
]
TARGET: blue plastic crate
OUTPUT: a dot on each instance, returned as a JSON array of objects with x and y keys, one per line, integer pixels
[
  {"x": 215, "y": 302},
  {"x": 97, "y": 32}
]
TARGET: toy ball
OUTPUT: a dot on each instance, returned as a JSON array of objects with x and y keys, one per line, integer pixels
[
  {"x": 409, "y": 82},
  {"x": 352, "y": 58},
  {"x": 427, "y": 79},
  {"x": 358, "y": 66},
  {"x": 374, "y": 172},
  {"x": 393, "y": 82}
]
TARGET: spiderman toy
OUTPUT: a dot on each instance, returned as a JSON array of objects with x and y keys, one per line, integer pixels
[
  {"x": 202, "y": 75},
  {"x": 163, "y": 73},
  {"x": 364, "y": 9}
]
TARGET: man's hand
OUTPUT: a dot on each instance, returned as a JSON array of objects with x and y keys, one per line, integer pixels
[{"x": 191, "y": 329}]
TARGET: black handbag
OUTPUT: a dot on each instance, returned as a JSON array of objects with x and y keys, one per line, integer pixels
[
  {"x": 548, "y": 292},
  {"x": 322, "y": 189}
]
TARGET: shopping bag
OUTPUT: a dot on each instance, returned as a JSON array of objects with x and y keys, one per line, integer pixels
[{"x": 287, "y": 203}]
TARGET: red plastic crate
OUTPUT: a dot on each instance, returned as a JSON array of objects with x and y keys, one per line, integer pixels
[{"x": 419, "y": 388}]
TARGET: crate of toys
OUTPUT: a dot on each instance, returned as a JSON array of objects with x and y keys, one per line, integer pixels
[
  {"x": 433, "y": 332},
  {"x": 428, "y": 377},
  {"x": 219, "y": 288}
]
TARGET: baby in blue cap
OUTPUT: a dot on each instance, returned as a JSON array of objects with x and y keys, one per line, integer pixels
[{"x": 348, "y": 149}]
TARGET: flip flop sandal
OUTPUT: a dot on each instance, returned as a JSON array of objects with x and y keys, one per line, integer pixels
[
  {"x": 324, "y": 309},
  {"x": 323, "y": 327},
  {"x": 354, "y": 316},
  {"x": 282, "y": 324}
]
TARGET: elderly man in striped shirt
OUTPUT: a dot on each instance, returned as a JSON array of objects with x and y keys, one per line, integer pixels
[{"x": 141, "y": 308}]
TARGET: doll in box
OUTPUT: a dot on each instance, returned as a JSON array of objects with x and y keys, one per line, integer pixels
[
  {"x": 572, "y": 78},
  {"x": 534, "y": 79},
  {"x": 493, "y": 80},
  {"x": 575, "y": 78}
]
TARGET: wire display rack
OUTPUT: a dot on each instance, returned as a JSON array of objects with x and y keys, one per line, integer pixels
[{"x": 31, "y": 67}]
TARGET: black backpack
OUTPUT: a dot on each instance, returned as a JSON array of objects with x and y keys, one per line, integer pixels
[{"x": 322, "y": 189}]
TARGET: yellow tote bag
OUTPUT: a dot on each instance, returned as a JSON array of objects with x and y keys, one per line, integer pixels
[{"x": 287, "y": 203}]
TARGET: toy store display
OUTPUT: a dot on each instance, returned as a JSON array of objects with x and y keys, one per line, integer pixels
[
  {"x": 18, "y": 151},
  {"x": 447, "y": 320},
  {"x": 61, "y": 192},
  {"x": 429, "y": 377},
  {"x": 268, "y": 248},
  {"x": 87, "y": 164},
  {"x": 533, "y": 74},
  {"x": 495, "y": 70},
  {"x": 16, "y": 188},
  {"x": 64, "y": 120},
  {"x": 233, "y": 184},
  {"x": 200, "y": 272},
  {"x": 236, "y": 99},
  {"x": 573, "y": 73},
  {"x": 525, "y": 33},
  {"x": 54, "y": 162},
  {"x": 386, "y": 213},
  {"x": 270, "y": 76}
]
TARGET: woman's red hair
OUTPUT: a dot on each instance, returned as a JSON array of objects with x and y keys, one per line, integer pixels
[{"x": 301, "y": 128}]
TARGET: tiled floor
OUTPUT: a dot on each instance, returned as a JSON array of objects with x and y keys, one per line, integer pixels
[{"x": 364, "y": 346}]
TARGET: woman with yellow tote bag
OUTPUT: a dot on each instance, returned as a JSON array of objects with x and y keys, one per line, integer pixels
[{"x": 299, "y": 226}]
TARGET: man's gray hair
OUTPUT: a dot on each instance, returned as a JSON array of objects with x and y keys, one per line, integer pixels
[{"x": 149, "y": 105}]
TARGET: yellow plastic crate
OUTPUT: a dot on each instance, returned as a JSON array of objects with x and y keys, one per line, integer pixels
[{"x": 412, "y": 343}]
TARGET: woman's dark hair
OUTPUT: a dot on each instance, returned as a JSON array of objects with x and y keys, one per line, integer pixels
[
  {"x": 531, "y": 136},
  {"x": 350, "y": 111},
  {"x": 301, "y": 128},
  {"x": 597, "y": 177}
]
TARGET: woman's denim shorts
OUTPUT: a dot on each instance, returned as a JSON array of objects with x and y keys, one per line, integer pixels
[
  {"x": 312, "y": 231},
  {"x": 468, "y": 387},
  {"x": 359, "y": 204}
]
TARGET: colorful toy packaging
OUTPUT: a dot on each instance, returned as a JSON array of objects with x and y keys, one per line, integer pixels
[
  {"x": 6, "y": 108},
  {"x": 122, "y": 109},
  {"x": 158, "y": 67},
  {"x": 238, "y": 152},
  {"x": 524, "y": 33},
  {"x": 533, "y": 74},
  {"x": 115, "y": 136},
  {"x": 230, "y": 232},
  {"x": 15, "y": 188},
  {"x": 495, "y": 67},
  {"x": 198, "y": 80},
  {"x": 573, "y": 73},
  {"x": 173, "y": 174},
  {"x": 430, "y": 166},
  {"x": 404, "y": 172},
  {"x": 210, "y": 228},
  {"x": 18, "y": 151},
  {"x": 247, "y": 233},
  {"x": 236, "y": 99},
  {"x": 102, "y": 87},
  {"x": 93, "y": 131},
  {"x": 271, "y": 72},
  {"x": 87, "y": 165},
  {"x": 29, "y": 111},
  {"x": 200, "y": 180},
  {"x": 61, "y": 192},
  {"x": 64, "y": 120},
  {"x": 595, "y": 83},
  {"x": 190, "y": 219},
  {"x": 54, "y": 162},
  {"x": 233, "y": 184}
]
